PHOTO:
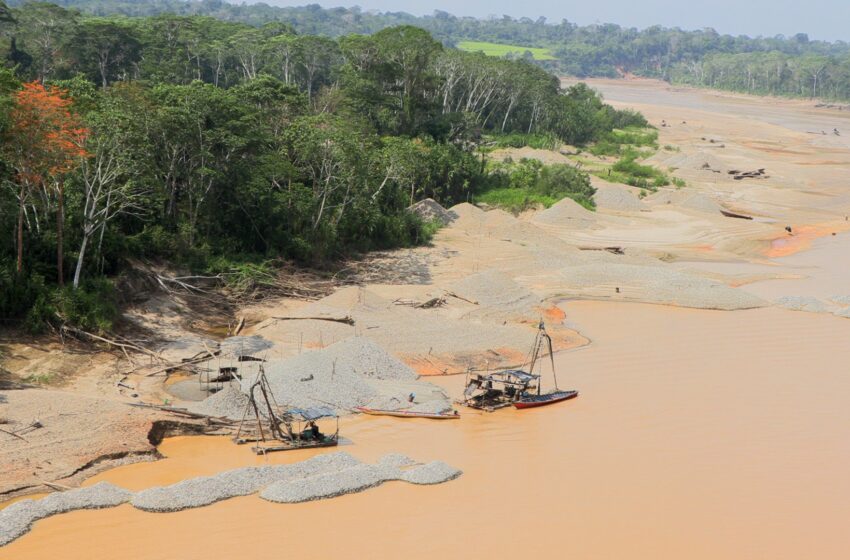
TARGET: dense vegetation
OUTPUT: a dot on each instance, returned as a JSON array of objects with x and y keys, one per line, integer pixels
[
  {"x": 208, "y": 144},
  {"x": 794, "y": 66}
]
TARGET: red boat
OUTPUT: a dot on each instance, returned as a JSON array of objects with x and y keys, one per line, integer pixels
[{"x": 533, "y": 401}]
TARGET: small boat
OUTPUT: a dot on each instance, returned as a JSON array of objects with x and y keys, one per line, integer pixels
[
  {"x": 408, "y": 413},
  {"x": 533, "y": 401},
  {"x": 517, "y": 387}
]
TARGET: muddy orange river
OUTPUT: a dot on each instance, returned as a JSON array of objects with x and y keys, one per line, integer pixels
[{"x": 698, "y": 434}]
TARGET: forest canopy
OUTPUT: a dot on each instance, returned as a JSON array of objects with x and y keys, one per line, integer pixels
[
  {"x": 207, "y": 143},
  {"x": 791, "y": 66}
]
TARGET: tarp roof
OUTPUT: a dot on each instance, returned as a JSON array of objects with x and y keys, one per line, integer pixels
[
  {"x": 523, "y": 376},
  {"x": 314, "y": 413}
]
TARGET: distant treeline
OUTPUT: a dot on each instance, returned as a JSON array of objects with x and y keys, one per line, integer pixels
[
  {"x": 779, "y": 65},
  {"x": 210, "y": 144}
]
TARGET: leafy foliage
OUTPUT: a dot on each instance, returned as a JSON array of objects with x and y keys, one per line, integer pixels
[{"x": 229, "y": 145}]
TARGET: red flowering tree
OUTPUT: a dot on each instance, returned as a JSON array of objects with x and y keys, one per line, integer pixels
[{"x": 45, "y": 143}]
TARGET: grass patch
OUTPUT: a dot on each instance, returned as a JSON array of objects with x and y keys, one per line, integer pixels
[
  {"x": 627, "y": 170},
  {"x": 619, "y": 142},
  {"x": 501, "y": 50},
  {"x": 514, "y": 200},
  {"x": 517, "y": 186},
  {"x": 519, "y": 140}
]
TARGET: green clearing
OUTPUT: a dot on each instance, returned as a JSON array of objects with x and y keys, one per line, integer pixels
[{"x": 500, "y": 50}]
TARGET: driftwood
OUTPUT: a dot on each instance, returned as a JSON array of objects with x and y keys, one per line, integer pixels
[
  {"x": 757, "y": 174},
  {"x": 428, "y": 304},
  {"x": 734, "y": 215},
  {"x": 348, "y": 320},
  {"x": 613, "y": 249}
]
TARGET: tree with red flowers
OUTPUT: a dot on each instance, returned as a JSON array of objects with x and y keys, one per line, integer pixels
[{"x": 45, "y": 143}]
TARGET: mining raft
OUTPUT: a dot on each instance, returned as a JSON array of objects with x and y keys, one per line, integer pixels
[
  {"x": 520, "y": 388},
  {"x": 272, "y": 428}
]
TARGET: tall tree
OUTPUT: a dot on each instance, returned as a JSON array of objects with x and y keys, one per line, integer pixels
[{"x": 44, "y": 144}]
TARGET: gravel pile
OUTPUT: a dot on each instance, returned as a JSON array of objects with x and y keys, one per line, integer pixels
[
  {"x": 617, "y": 198},
  {"x": 466, "y": 211},
  {"x": 566, "y": 212},
  {"x": 387, "y": 403},
  {"x": 345, "y": 375},
  {"x": 244, "y": 345},
  {"x": 654, "y": 284},
  {"x": 432, "y": 211},
  {"x": 323, "y": 476},
  {"x": 205, "y": 490},
  {"x": 396, "y": 461},
  {"x": 229, "y": 402},
  {"x": 18, "y": 518},
  {"x": 322, "y": 486},
  {"x": 432, "y": 407},
  {"x": 359, "y": 478},
  {"x": 840, "y": 300},
  {"x": 435, "y": 472},
  {"x": 495, "y": 289},
  {"x": 803, "y": 303}
]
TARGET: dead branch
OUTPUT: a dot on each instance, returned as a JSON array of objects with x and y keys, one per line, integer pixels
[
  {"x": 348, "y": 320},
  {"x": 54, "y": 485},
  {"x": 454, "y": 295},
  {"x": 122, "y": 345},
  {"x": 13, "y": 434},
  {"x": 203, "y": 357}
]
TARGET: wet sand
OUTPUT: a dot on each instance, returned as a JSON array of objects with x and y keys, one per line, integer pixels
[{"x": 729, "y": 439}]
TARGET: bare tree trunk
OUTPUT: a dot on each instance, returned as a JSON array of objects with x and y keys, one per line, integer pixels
[
  {"x": 21, "y": 231},
  {"x": 60, "y": 226},
  {"x": 80, "y": 258}
]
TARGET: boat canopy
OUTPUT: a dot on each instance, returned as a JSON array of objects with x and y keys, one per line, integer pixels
[
  {"x": 314, "y": 413},
  {"x": 518, "y": 374}
]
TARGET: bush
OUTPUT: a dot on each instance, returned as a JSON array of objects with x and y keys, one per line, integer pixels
[
  {"x": 518, "y": 140},
  {"x": 559, "y": 181},
  {"x": 92, "y": 307}
]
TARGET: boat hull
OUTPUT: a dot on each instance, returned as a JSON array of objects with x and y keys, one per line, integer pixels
[
  {"x": 407, "y": 414},
  {"x": 545, "y": 400}
]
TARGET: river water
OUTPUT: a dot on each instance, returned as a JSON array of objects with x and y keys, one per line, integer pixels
[{"x": 698, "y": 434}]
